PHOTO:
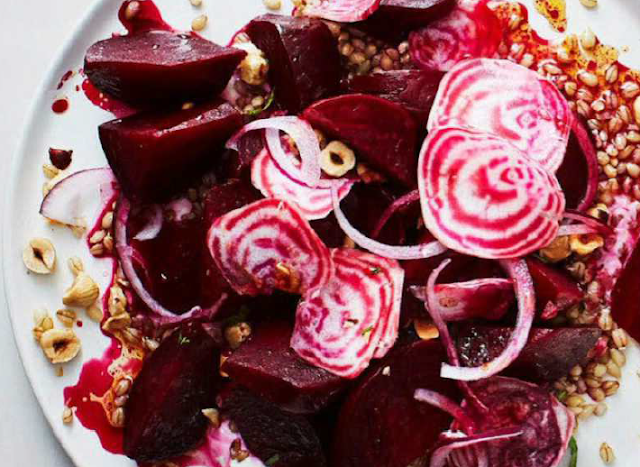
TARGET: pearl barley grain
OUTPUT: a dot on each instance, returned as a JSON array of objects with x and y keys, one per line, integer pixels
[
  {"x": 199, "y": 23},
  {"x": 272, "y": 4}
]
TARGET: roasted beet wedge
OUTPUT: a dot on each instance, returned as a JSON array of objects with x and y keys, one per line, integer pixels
[
  {"x": 153, "y": 68},
  {"x": 270, "y": 368},
  {"x": 394, "y": 19},
  {"x": 555, "y": 289},
  {"x": 154, "y": 155},
  {"x": 295, "y": 47},
  {"x": 278, "y": 438},
  {"x": 625, "y": 298},
  {"x": 381, "y": 424},
  {"x": 388, "y": 144},
  {"x": 548, "y": 355},
  {"x": 177, "y": 381},
  {"x": 415, "y": 90}
]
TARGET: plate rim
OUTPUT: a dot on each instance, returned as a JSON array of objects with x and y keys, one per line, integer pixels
[{"x": 36, "y": 102}]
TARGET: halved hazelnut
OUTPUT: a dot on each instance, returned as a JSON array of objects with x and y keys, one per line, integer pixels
[
  {"x": 337, "y": 159},
  {"x": 39, "y": 256},
  {"x": 83, "y": 292},
  {"x": 60, "y": 345}
]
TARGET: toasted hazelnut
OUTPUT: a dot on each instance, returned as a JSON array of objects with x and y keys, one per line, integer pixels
[
  {"x": 60, "y": 345},
  {"x": 287, "y": 279},
  {"x": 425, "y": 329},
  {"x": 557, "y": 250},
  {"x": 67, "y": 416},
  {"x": 75, "y": 265},
  {"x": 66, "y": 317},
  {"x": 95, "y": 313},
  {"x": 585, "y": 244},
  {"x": 337, "y": 159},
  {"x": 39, "y": 256},
  {"x": 237, "y": 334},
  {"x": 42, "y": 323},
  {"x": 254, "y": 67},
  {"x": 50, "y": 171},
  {"x": 83, "y": 292},
  {"x": 117, "y": 301},
  {"x": 115, "y": 323},
  {"x": 368, "y": 175}
]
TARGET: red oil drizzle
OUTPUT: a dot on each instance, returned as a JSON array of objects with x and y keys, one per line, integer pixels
[
  {"x": 60, "y": 106},
  {"x": 98, "y": 98},
  {"x": 144, "y": 17},
  {"x": 66, "y": 77}
]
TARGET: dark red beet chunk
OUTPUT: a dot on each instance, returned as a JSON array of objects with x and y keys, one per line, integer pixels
[
  {"x": 388, "y": 144},
  {"x": 154, "y": 155},
  {"x": 395, "y": 18},
  {"x": 60, "y": 158},
  {"x": 270, "y": 368},
  {"x": 574, "y": 173},
  {"x": 555, "y": 289},
  {"x": 415, "y": 90},
  {"x": 625, "y": 297},
  {"x": 548, "y": 355},
  {"x": 153, "y": 68},
  {"x": 279, "y": 439},
  {"x": 177, "y": 381},
  {"x": 381, "y": 424},
  {"x": 304, "y": 63}
]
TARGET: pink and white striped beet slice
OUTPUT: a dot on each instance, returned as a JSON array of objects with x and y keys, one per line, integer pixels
[
  {"x": 507, "y": 100},
  {"x": 345, "y": 11},
  {"x": 354, "y": 318},
  {"x": 483, "y": 197},
  {"x": 268, "y": 245},
  {"x": 273, "y": 182},
  {"x": 470, "y": 30}
]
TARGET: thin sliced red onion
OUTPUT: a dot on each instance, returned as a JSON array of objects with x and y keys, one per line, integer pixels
[
  {"x": 425, "y": 250},
  {"x": 401, "y": 202},
  {"x": 591, "y": 157},
  {"x": 576, "y": 229},
  {"x": 447, "y": 405},
  {"x": 344, "y": 11},
  {"x": 127, "y": 255},
  {"x": 303, "y": 135},
  {"x": 586, "y": 219},
  {"x": 519, "y": 273},
  {"x": 153, "y": 227},
  {"x": 435, "y": 310},
  {"x": 440, "y": 455}
]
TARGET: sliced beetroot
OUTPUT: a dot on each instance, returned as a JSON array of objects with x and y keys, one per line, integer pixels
[
  {"x": 353, "y": 318},
  {"x": 625, "y": 297},
  {"x": 578, "y": 174},
  {"x": 268, "y": 245},
  {"x": 394, "y": 19},
  {"x": 545, "y": 424},
  {"x": 415, "y": 90},
  {"x": 178, "y": 380},
  {"x": 278, "y": 438},
  {"x": 269, "y": 367},
  {"x": 225, "y": 197},
  {"x": 152, "y": 68},
  {"x": 381, "y": 424},
  {"x": 555, "y": 289},
  {"x": 273, "y": 182},
  {"x": 479, "y": 298},
  {"x": 548, "y": 355},
  {"x": 482, "y": 196},
  {"x": 154, "y": 155},
  {"x": 470, "y": 30},
  {"x": 294, "y": 47},
  {"x": 509, "y": 101},
  {"x": 388, "y": 145}
]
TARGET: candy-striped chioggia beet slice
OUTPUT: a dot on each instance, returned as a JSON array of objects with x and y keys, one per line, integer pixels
[
  {"x": 295, "y": 47},
  {"x": 155, "y": 155},
  {"x": 269, "y": 367},
  {"x": 268, "y": 245},
  {"x": 346, "y": 11},
  {"x": 509, "y": 101},
  {"x": 354, "y": 318},
  {"x": 278, "y": 438},
  {"x": 482, "y": 196},
  {"x": 388, "y": 144},
  {"x": 381, "y": 424},
  {"x": 151, "y": 68},
  {"x": 177, "y": 381}
]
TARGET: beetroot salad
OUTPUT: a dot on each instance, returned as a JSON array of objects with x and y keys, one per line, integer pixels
[{"x": 372, "y": 233}]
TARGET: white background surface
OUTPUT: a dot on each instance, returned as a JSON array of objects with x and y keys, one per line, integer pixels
[{"x": 31, "y": 32}]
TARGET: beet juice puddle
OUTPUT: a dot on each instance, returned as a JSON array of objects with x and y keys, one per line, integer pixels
[{"x": 370, "y": 234}]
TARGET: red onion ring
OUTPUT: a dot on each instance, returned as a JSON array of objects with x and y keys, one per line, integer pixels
[
  {"x": 440, "y": 455},
  {"x": 305, "y": 138},
  {"x": 589, "y": 152},
  {"x": 588, "y": 220},
  {"x": 153, "y": 227},
  {"x": 519, "y": 273},
  {"x": 445, "y": 404},
  {"x": 425, "y": 250},
  {"x": 401, "y": 202},
  {"x": 127, "y": 255}
]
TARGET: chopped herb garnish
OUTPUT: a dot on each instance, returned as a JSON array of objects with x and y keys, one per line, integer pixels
[
  {"x": 367, "y": 331},
  {"x": 273, "y": 460},
  {"x": 182, "y": 340},
  {"x": 562, "y": 396},
  {"x": 573, "y": 447},
  {"x": 253, "y": 113},
  {"x": 375, "y": 270}
]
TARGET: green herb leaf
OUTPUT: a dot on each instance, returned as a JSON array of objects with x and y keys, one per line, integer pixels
[
  {"x": 375, "y": 270},
  {"x": 182, "y": 340},
  {"x": 367, "y": 331},
  {"x": 273, "y": 460},
  {"x": 253, "y": 113},
  {"x": 562, "y": 396},
  {"x": 573, "y": 446}
]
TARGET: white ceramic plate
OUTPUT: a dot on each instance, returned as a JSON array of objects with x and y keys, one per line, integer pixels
[{"x": 617, "y": 22}]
